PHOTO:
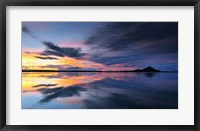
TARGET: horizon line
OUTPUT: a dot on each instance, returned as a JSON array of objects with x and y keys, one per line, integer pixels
[{"x": 92, "y": 71}]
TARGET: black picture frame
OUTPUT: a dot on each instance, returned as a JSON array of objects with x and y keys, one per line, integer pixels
[{"x": 5, "y": 3}]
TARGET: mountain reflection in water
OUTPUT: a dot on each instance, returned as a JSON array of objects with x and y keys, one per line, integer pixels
[{"x": 99, "y": 90}]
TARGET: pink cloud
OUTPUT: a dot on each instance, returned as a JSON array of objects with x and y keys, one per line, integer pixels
[
  {"x": 72, "y": 44},
  {"x": 31, "y": 50},
  {"x": 121, "y": 67}
]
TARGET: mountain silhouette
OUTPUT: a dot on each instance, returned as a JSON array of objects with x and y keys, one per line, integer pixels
[{"x": 147, "y": 69}]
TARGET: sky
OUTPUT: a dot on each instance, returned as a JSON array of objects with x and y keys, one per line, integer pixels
[{"x": 100, "y": 45}]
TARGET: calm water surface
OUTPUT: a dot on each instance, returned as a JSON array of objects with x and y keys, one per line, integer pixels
[{"x": 94, "y": 90}]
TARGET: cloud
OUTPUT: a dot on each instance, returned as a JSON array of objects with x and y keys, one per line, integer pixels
[
  {"x": 28, "y": 32},
  {"x": 46, "y": 58},
  {"x": 44, "y": 85},
  {"x": 62, "y": 51},
  {"x": 58, "y": 67},
  {"x": 122, "y": 35},
  {"x": 134, "y": 43},
  {"x": 53, "y": 49},
  {"x": 50, "y": 52},
  {"x": 111, "y": 60},
  {"x": 25, "y": 29}
]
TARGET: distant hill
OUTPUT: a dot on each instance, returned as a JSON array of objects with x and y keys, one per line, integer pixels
[{"x": 148, "y": 69}]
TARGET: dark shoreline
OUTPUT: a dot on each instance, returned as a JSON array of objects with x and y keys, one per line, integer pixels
[
  {"x": 93, "y": 71},
  {"x": 147, "y": 69}
]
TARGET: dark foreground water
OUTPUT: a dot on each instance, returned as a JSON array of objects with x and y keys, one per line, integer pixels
[{"x": 94, "y": 90}]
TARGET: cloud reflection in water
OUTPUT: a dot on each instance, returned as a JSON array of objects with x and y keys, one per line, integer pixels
[{"x": 94, "y": 90}]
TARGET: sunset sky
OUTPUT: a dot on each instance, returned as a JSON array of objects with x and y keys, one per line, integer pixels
[{"x": 99, "y": 45}]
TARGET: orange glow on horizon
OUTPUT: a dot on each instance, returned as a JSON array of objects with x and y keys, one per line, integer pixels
[{"x": 29, "y": 61}]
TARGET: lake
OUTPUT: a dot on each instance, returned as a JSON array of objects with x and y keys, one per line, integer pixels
[{"x": 99, "y": 90}]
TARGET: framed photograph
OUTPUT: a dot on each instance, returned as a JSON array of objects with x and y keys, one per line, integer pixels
[{"x": 99, "y": 65}]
